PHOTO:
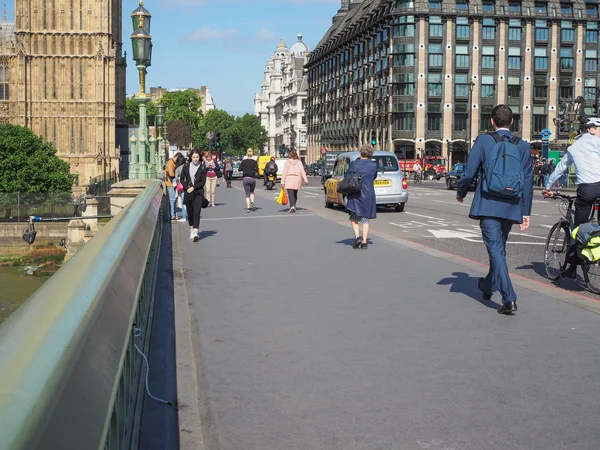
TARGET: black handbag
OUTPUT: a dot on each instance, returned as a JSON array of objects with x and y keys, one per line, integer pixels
[{"x": 351, "y": 184}]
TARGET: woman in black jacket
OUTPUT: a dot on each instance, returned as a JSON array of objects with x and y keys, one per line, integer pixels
[{"x": 193, "y": 178}]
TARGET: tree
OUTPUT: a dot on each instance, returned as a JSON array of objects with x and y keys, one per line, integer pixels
[
  {"x": 248, "y": 132},
  {"x": 179, "y": 133},
  {"x": 215, "y": 120},
  {"x": 132, "y": 112},
  {"x": 28, "y": 164},
  {"x": 183, "y": 105}
]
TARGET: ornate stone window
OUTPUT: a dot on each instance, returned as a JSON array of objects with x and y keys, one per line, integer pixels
[{"x": 4, "y": 80}]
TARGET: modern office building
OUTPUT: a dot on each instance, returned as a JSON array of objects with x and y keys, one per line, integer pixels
[
  {"x": 62, "y": 74},
  {"x": 281, "y": 103},
  {"x": 424, "y": 75}
]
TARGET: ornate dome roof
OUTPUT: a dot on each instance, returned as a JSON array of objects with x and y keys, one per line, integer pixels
[{"x": 299, "y": 48}]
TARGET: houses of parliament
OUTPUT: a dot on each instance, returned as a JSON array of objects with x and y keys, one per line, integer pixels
[{"x": 62, "y": 74}]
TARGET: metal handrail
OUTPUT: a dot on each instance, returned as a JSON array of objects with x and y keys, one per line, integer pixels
[{"x": 69, "y": 374}]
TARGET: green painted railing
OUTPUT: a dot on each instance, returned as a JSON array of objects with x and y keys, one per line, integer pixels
[{"x": 70, "y": 377}]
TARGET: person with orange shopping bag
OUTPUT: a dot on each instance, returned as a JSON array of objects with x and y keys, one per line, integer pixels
[
  {"x": 283, "y": 198},
  {"x": 291, "y": 180}
]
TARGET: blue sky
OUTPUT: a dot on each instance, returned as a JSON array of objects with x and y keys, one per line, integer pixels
[{"x": 222, "y": 44}]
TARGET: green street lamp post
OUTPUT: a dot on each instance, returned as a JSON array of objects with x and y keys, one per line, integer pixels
[{"x": 142, "y": 158}]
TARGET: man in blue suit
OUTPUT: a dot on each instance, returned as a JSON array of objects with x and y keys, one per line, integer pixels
[{"x": 496, "y": 214}]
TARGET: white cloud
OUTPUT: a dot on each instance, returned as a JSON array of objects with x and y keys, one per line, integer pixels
[
  {"x": 209, "y": 33},
  {"x": 265, "y": 34}
]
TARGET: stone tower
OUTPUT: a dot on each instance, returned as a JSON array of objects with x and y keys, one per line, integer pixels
[{"x": 67, "y": 80}]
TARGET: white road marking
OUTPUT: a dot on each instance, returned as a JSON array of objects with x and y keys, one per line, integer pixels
[
  {"x": 421, "y": 215},
  {"x": 452, "y": 234},
  {"x": 545, "y": 226},
  {"x": 274, "y": 216},
  {"x": 446, "y": 203}
]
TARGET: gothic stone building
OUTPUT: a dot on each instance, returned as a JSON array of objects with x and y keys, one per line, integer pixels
[
  {"x": 424, "y": 75},
  {"x": 62, "y": 74}
]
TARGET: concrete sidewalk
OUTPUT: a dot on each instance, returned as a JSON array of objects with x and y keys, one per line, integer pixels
[{"x": 304, "y": 343}]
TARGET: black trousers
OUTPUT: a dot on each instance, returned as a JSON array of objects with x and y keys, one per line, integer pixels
[
  {"x": 228, "y": 177},
  {"x": 292, "y": 197},
  {"x": 193, "y": 203}
]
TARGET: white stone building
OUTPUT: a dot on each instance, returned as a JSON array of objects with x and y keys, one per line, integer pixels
[{"x": 282, "y": 100}]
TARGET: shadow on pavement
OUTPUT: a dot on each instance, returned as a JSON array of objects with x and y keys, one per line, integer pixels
[
  {"x": 349, "y": 242},
  {"x": 462, "y": 283},
  {"x": 206, "y": 234},
  {"x": 571, "y": 285},
  {"x": 160, "y": 425}
]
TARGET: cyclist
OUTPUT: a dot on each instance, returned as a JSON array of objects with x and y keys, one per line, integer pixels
[
  {"x": 585, "y": 154},
  {"x": 417, "y": 169}
]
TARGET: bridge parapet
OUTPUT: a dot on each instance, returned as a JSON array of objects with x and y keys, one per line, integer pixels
[{"x": 70, "y": 375}]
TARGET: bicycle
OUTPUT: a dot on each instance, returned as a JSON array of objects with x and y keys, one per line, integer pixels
[
  {"x": 417, "y": 177},
  {"x": 560, "y": 245}
]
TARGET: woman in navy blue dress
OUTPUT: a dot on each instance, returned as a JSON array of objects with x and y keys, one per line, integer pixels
[{"x": 362, "y": 206}]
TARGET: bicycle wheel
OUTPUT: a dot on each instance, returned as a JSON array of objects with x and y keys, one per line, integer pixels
[
  {"x": 555, "y": 251},
  {"x": 591, "y": 274}
]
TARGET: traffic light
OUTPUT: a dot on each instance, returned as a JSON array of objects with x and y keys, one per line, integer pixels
[
  {"x": 217, "y": 140},
  {"x": 373, "y": 138}
]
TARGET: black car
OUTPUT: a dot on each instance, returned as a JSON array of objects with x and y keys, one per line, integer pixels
[{"x": 453, "y": 177}]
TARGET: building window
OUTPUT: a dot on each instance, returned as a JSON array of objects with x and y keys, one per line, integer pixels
[
  {"x": 591, "y": 10},
  {"x": 434, "y": 81},
  {"x": 540, "y": 92},
  {"x": 489, "y": 29},
  {"x": 486, "y": 116},
  {"x": 540, "y": 119},
  {"x": 541, "y": 60},
  {"x": 45, "y": 14},
  {"x": 435, "y": 26},
  {"x": 72, "y": 16},
  {"x": 45, "y": 80},
  {"x": 488, "y": 6},
  {"x": 567, "y": 33},
  {"x": 541, "y": 30},
  {"x": 404, "y": 59},
  {"x": 487, "y": 86},
  {"x": 566, "y": 9},
  {"x": 81, "y": 136},
  {"x": 72, "y": 81},
  {"x": 4, "y": 80},
  {"x": 541, "y": 8},
  {"x": 462, "y": 5},
  {"x": 516, "y": 125},
  {"x": 434, "y": 121},
  {"x": 566, "y": 93},
  {"x": 567, "y": 62},
  {"x": 591, "y": 33},
  {"x": 591, "y": 60},
  {"x": 463, "y": 31},
  {"x": 405, "y": 4},
  {"x": 461, "y": 86},
  {"x": 514, "y": 30},
  {"x": 405, "y": 85},
  {"x": 81, "y": 80},
  {"x": 514, "y": 8},
  {"x": 404, "y": 121},
  {"x": 460, "y": 122},
  {"x": 72, "y": 137},
  {"x": 435, "y": 55},
  {"x": 462, "y": 57},
  {"x": 589, "y": 90},
  {"x": 54, "y": 14},
  {"x": 435, "y": 4},
  {"x": 514, "y": 58},
  {"x": 514, "y": 91},
  {"x": 403, "y": 27},
  {"x": 488, "y": 59},
  {"x": 54, "y": 81}
]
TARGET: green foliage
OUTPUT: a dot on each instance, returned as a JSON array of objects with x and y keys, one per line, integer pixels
[
  {"x": 237, "y": 133},
  {"x": 132, "y": 112},
  {"x": 183, "y": 105},
  {"x": 28, "y": 164}
]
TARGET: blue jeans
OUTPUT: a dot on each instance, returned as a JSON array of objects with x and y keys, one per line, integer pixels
[
  {"x": 183, "y": 207},
  {"x": 495, "y": 233},
  {"x": 172, "y": 200}
]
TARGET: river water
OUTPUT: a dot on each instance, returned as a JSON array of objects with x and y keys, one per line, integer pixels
[{"x": 16, "y": 287}]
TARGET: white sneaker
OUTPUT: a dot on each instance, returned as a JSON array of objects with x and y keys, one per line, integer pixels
[
  {"x": 182, "y": 220},
  {"x": 192, "y": 234},
  {"x": 196, "y": 237}
]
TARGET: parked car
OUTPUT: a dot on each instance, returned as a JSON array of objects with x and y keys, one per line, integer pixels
[
  {"x": 390, "y": 184},
  {"x": 454, "y": 176},
  {"x": 236, "y": 170}
]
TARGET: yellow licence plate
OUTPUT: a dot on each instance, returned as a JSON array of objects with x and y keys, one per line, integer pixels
[{"x": 383, "y": 183}]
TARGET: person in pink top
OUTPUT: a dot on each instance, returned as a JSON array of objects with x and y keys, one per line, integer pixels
[{"x": 291, "y": 180}]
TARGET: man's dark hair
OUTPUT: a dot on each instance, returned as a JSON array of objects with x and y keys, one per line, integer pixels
[{"x": 502, "y": 116}]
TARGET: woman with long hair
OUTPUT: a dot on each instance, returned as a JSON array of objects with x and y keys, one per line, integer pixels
[
  {"x": 249, "y": 169},
  {"x": 362, "y": 206},
  {"x": 291, "y": 179},
  {"x": 193, "y": 178}
]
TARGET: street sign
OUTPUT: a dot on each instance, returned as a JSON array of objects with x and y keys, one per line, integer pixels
[
  {"x": 546, "y": 133},
  {"x": 209, "y": 135}
]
